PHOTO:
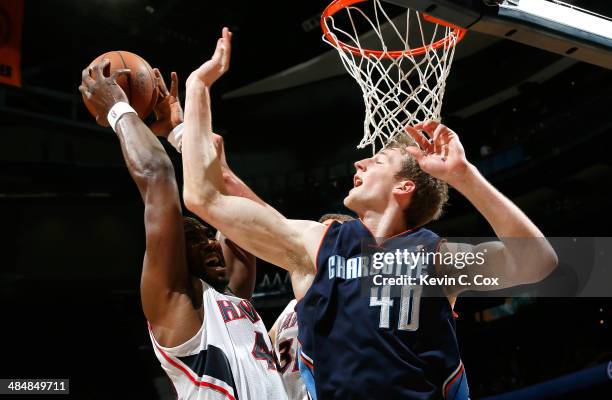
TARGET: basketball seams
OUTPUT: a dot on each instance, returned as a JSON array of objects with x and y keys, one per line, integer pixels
[
  {"x": 128, "y": 77},
  {"x": 153, "y": 83}
]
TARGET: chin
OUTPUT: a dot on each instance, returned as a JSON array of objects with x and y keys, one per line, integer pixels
[
  {"x": 346, "y": 201},
  {"x": 351, "y": 202}
]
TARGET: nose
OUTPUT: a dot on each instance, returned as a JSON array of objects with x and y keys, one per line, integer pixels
[
  {"x": 213, "y": 245},
  {"x": 360, "y": 165}
]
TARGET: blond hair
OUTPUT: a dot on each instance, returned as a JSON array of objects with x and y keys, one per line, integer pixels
[{"x": 430, "y": 195}]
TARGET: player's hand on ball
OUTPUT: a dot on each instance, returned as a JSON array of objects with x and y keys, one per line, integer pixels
[
  {"x": 213, "y": 69},
  {"x": 168, "y": 110},
  {"x": 441, "y": 155},
  {"x": 101, "y": 89}
]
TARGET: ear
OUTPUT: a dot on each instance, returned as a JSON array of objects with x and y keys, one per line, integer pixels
[
  {"x": 404, "y": 186},
  {"x": 403, "y": 191}
]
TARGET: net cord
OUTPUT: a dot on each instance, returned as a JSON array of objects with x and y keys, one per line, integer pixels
[{"x": 397, "y": 91}]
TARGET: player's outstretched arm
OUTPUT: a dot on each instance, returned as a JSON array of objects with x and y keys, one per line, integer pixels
[
  {"x": 523, "y": 255},
  {"x": 165, "y": 283},
  {"x": 241, "y": 265},
  {"x": 252, "y": 226}
]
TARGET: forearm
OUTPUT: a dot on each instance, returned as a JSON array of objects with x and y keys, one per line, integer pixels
[
  {"x": 236, "y": 187},
  {"x": 232, "y": 184},
  {"x": 143, "y": 153},
  {"x": 241, "y": 268},
  {"x": 202, "y": 172}
]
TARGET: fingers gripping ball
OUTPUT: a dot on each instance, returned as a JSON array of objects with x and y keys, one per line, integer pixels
[{"x": 139, "y": 85}]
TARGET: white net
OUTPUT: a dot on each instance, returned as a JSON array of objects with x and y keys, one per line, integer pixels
[{"x": 401, "y": 63}]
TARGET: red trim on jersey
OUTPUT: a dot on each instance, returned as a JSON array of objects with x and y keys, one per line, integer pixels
[
  {"x": 302, "y": 355},
  {"x": 191, "y": 378},
  {"x": 306, "y": 361},
  {"x": 449, "y": 384}
]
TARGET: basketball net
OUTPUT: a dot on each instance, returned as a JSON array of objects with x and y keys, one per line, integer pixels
[{"x": 402, "y": 86}]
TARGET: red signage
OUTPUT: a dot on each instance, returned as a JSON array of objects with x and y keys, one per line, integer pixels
[{"x": 11, "y": 19}]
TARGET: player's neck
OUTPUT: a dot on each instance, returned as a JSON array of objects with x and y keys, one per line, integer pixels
[{"x": 383, "y": 225}]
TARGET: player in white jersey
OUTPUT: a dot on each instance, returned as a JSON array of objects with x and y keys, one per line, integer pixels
[
  {"x": 284, "y": 336},
  {"x": 212, "y": 345},
  {"x": 229, "y": 357}
]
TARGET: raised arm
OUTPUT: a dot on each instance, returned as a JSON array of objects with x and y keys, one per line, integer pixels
[
  {"x": 289, "y": 244},
  {"x": 166, "y": 288},
  {"x": 240, "y": 264},
  {"x": 523, "y": 254}
]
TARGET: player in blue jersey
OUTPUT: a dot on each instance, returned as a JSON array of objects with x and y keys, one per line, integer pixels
[{"x": 381, "y": 344}]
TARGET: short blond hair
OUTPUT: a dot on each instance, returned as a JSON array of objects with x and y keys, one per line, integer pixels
[{"x": 430, "y": 195}]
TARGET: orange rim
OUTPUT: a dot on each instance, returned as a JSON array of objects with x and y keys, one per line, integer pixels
[{"x": 338, "y": 5}]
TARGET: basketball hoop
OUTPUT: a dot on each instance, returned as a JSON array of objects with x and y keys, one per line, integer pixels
[{"x": 402, "y": 86}]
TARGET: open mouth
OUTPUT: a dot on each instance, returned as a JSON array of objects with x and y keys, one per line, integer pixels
[
  {"x": 213, "y": 262},
  {"x": 357, "y": 181}
]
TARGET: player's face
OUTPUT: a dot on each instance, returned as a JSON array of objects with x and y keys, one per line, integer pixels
[
  {"x": 374, "y": 181},
  {"x": 211, "y": 264}
]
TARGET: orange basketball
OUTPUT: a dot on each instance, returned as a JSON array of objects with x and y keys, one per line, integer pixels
[{"x": 139, "y": 85}]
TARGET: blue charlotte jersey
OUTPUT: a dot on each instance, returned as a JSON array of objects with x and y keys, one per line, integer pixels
[{"x": 363, "y": 341}]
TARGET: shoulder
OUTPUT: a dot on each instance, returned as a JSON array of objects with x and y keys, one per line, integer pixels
[
  {"x": 424, "y": 232},
  {"x": 427, "y": 238},
  {"x": 313, "y": 234},
  {"x": 290, "y": 307},
  {"x": 354, "y": 227}
]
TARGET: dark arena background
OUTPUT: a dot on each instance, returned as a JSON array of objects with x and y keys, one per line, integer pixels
[{"x": 537, "y": 124}]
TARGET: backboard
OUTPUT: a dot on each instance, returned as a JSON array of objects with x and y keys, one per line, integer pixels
[{"x": 581, "y": 29}]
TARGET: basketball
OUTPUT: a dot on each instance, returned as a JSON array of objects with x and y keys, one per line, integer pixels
[{"x": 139, "y": 85}]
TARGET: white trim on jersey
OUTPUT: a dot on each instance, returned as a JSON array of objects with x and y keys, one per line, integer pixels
[
  {"x": 203, "y": 381},
  {"x": 451, "y": 377},
  {"x": 227, "y": 359}
]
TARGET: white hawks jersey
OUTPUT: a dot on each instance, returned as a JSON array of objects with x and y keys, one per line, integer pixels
[
  {"x": 230, "y": 357},
  {"x": 286, "y": 349}
]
